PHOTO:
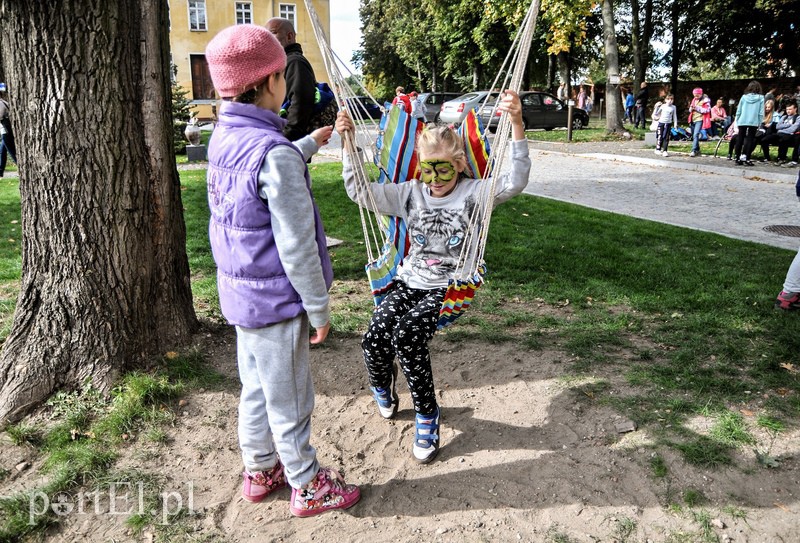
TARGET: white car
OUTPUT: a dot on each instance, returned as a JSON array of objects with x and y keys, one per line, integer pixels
[{"x": 454, "y": 111}]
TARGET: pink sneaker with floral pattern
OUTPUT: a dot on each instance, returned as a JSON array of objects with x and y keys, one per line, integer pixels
[
  {"x": 326, "y": 491},
  {"x": 260, "y": 484}
]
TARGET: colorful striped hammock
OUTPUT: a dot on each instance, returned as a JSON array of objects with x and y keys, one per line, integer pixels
[{"x": 397, "y": 162}]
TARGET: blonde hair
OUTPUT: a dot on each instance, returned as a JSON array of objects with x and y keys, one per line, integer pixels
[
  {"x": 442, "y": 142},
  {"x": 768, "y": 115}
]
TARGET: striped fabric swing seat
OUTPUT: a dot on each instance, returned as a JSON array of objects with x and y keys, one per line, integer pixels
[
  {"x": 396, "y": 159},
  {"x": 459, "y": 296},
  {"x": 395, "y": 156}
]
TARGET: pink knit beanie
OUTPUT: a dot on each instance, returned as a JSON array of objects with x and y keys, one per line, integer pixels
[
  {"x": 241, "y": 57},
  {"x": 698, "y": 90}
]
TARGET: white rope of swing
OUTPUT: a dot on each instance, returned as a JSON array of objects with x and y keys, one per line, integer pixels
[
  {"x": 374, "y": 234},
  {"x": 474, "y": 247}
]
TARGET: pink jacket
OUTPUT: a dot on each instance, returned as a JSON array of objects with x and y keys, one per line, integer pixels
[{"x": 701, "y": 105}]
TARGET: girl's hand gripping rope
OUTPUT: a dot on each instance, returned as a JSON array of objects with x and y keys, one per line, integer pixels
[
  {"x": 510, "y": 103},
  {"x": 343, "y": 123}
]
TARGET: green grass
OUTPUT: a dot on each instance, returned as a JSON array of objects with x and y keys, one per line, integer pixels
[
  {"x": 596, "y": 131},
  {"x": 79, "y": 446},
  {"x": 684, "y": 316}
]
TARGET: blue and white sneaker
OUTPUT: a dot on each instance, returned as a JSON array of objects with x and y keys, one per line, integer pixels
[
  {"x": 426, "y": 437},
  {"x": 387, "y": 399}
]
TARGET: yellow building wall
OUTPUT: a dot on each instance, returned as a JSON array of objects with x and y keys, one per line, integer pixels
[{"x": 222, "y": 14}]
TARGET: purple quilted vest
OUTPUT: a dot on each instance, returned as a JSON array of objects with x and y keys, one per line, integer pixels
[{"x": 253, "y": 288}]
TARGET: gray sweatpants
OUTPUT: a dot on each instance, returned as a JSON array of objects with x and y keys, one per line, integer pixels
[
  {"x": 792, "y": 282},
  {"x": 277, "y": 399}
]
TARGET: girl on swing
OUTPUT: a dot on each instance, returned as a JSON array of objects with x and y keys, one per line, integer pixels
[{"x": 437, "y": 209}]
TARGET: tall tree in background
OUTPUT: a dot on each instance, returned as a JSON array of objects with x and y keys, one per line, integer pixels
[
  {"x": 378, "y": 58},
  {"x": 613, "y": 98},
  {"x": 566, "y": 23},
  {"x": 641, "y": 34},
  {"x": 105, "y": 277},
  {"x": 680, "y": 37}
]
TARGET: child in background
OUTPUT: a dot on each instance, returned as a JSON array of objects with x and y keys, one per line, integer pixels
[
  {"x": 629, "y": 103},
  {"x": 437, "y": 209},
  {"x": 273, "y": 269},
  {"x": 667, "y": 118},
  {"x": 418, "y": 108},
  {"x": 699, "y": 118}
]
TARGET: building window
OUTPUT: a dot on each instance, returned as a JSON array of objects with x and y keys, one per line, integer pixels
[
  {"x": 244, "y": 13},
  {"x": 287, "y": 11},
  {"x": 197, "y": 15},
  {"x": 202, "y": 86}
]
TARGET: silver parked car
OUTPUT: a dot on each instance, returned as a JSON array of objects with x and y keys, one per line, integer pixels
[
  {"x": 433, "y": 103},
  {"x": 454, "y": 111}
]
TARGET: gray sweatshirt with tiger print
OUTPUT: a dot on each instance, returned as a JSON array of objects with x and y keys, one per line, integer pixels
[{"x": 438, "y": 227}]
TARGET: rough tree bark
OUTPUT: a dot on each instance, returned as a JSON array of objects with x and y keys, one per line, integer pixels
[
  {"x": 565, "y": 70},
  {"x": 613, "y": 99},
  {"x": 105, "y": 276},
  {"x": 677, "y": 46},
  {"x": 641, "y": 34}
]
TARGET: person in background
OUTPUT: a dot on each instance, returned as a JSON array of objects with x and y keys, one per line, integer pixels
[
  {"x": 641, "y": 100},
  {"x": 401, "y": 99},
  {"x": 719, "y": 119},
  {"x": 667, "y": 118},
  {"x": 418, "y": 108},
  {"x": 7, "y": 146},
  {"x": 561, "y": 92},
  {"x": 699, "y": 118},
  {"x": 749, "y": 114},
  {"x": 787, "y": 135},
  {"x": 582, "y": 97},
  {"x": 628, "y": 100},
  {"x": 766, "y": 129},
  {"x": 301, "y": 83}
]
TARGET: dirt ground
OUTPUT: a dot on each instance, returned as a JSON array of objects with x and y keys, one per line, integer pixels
[{"x": 528, "y": 454}]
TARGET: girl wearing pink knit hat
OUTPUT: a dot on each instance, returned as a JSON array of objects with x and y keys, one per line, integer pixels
[{"x": 273, "y": 269}]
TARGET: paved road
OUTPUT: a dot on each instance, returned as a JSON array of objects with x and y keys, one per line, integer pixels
[
  {"x": 624, "y": 177},
  {"x": 722, "y": 202}
]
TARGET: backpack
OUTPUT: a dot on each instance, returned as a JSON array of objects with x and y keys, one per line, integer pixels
[
  {"x": 678, "y": 133},
  {"x": 324, "y": 107}
]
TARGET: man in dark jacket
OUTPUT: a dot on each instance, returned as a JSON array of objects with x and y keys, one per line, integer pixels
[
  {"x": 300, "y": 80},
  {"x": 642, "y": 97}
]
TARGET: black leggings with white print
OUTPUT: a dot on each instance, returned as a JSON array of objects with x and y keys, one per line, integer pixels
[{"x": 402, "y": 325}]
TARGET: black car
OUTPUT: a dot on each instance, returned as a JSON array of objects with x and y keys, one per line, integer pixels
[
  {"x": 365, "y": 108},
  {"x": 541, "y": 110}
]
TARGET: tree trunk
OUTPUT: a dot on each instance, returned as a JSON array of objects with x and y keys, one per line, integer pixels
[
  {"x": 636, "y": 45},
  {"x": 677, "y": 46},
  {"x": 105, "y": 277},
  {"x": 565, "y": 71},
  {"x": 434, "y": 72},
  {"x": 613, "y": 100},
  {"x": 641, "y": 34},
  {"x": 551, "y": 73}
]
